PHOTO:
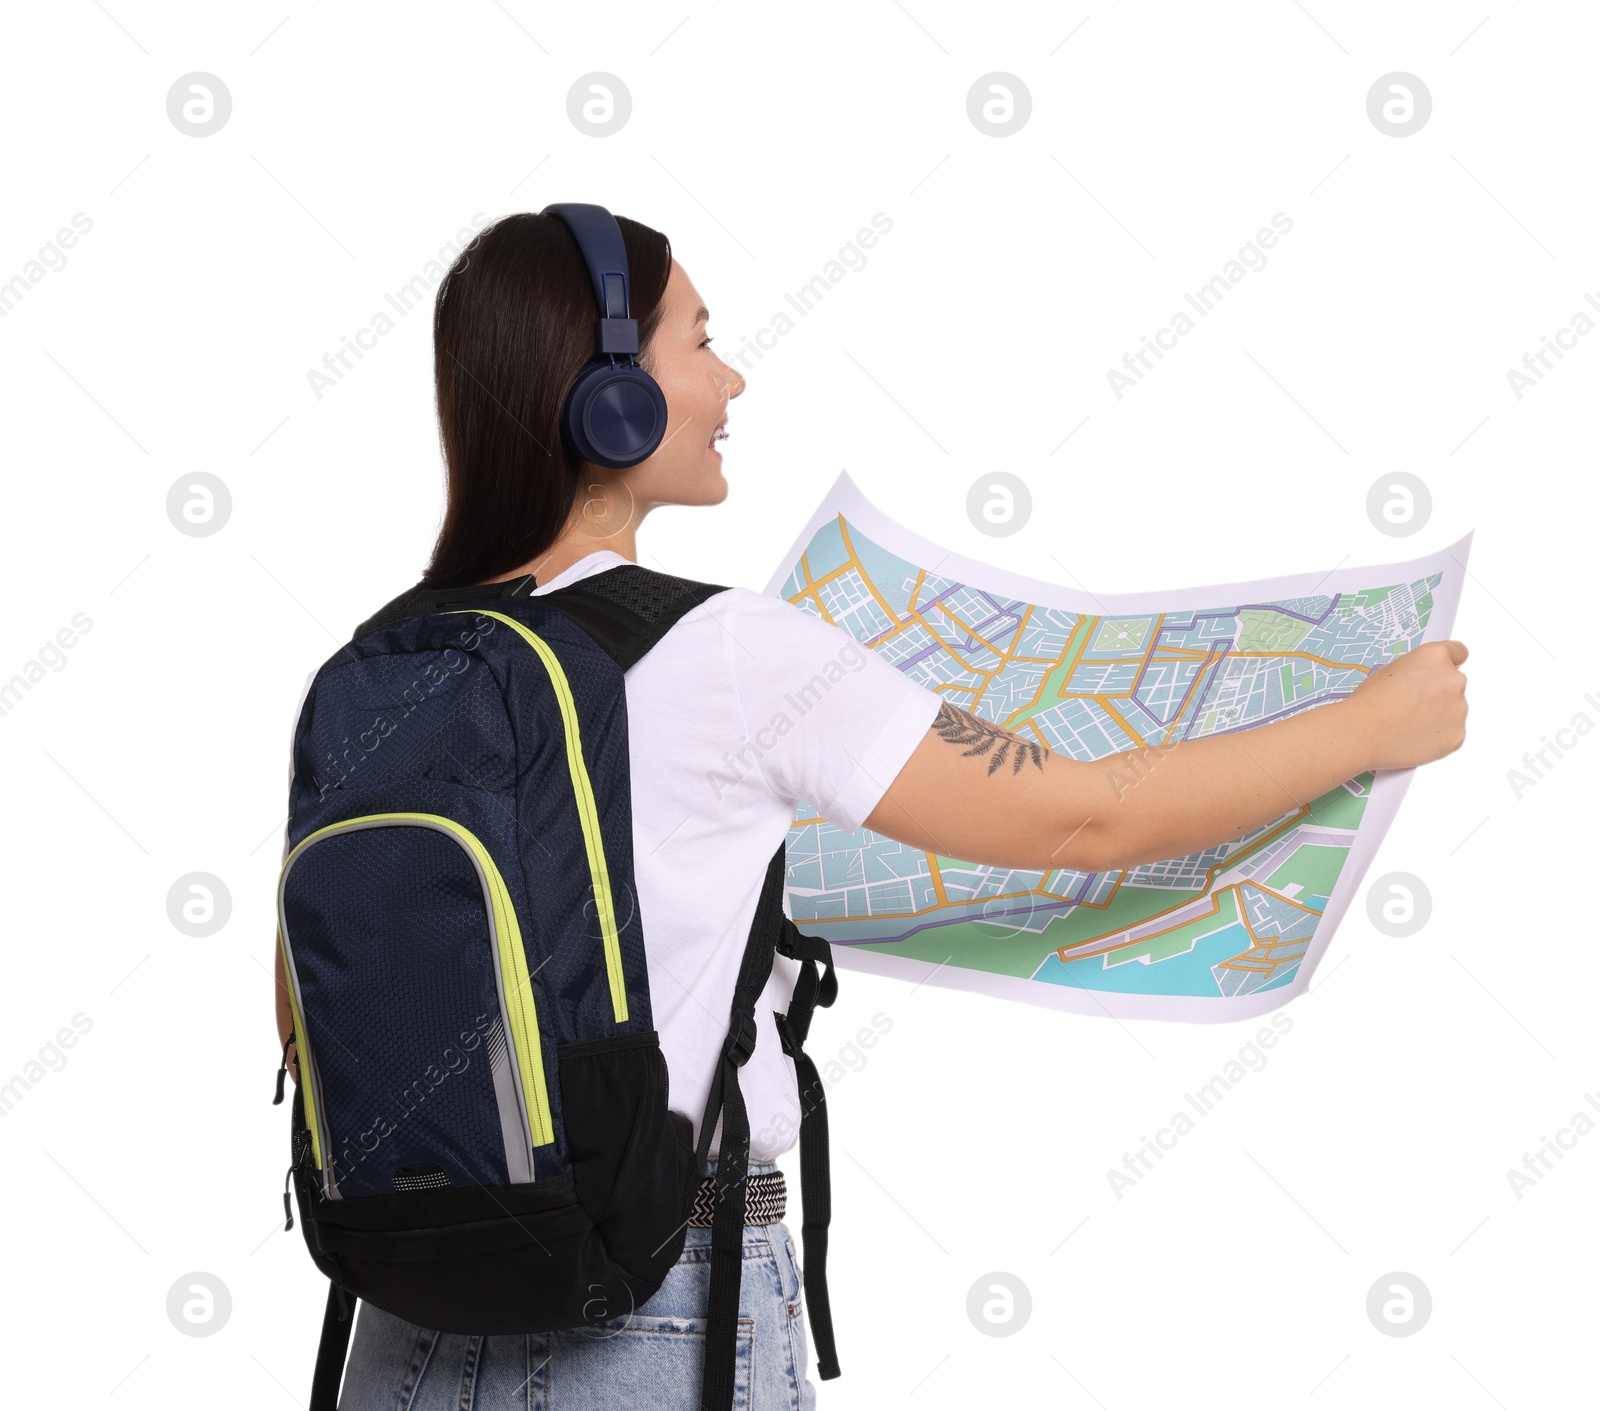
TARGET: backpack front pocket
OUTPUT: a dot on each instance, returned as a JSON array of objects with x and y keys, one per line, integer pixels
[{"x": 402, "y": 946}]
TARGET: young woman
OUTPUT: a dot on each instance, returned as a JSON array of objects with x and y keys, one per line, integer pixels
[{"x": 514, "y": 320}]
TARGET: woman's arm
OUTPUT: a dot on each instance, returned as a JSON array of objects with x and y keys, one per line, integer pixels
[
  {"x": 982, "y": 794},
  {"x": 285, "y": 1014}
]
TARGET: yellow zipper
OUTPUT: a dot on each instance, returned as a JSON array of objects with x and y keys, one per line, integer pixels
[
  {"x": 588, "y": 813},
  {"x": 521, "y": 1015}
]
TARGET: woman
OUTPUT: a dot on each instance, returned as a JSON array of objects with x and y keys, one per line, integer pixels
[{"x": 514, "y": 320}]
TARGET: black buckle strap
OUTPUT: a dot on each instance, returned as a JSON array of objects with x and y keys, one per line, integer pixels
[
  {"x": 741, "y": 1042},
  {"x": 812, "y": 988}
]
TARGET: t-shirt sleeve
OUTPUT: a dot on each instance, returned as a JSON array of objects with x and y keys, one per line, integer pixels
[{"x": 828, "y": 721}]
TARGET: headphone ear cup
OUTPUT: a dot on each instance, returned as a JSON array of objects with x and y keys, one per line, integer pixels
[{"x": 615, "y": 416}]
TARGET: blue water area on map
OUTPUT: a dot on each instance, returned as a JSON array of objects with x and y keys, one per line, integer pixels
[
  {"x": 1282, "y": 980},
  {"x": 1316, "y": 903},
  {"x": 826, "y": 551},
  {"x": 1188, "y": 974}
]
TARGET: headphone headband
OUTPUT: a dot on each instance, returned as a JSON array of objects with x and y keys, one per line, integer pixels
[{"x": 599, "y": 240}]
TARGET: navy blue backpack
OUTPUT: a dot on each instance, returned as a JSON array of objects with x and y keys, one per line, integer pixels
[{"x": 482, "y": 1138}]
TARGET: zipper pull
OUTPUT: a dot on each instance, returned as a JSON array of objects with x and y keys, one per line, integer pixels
[
  {"x": 337, "y": 1280},
  {"x": 283, "y": 1069},
  {"x": 300, "y": 1145}
]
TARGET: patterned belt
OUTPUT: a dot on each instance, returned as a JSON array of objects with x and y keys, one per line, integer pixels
[{"x": 766, "y": 1196}]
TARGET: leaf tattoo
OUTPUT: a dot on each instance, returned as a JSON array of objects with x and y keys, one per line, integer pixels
[{"x": 959, "y": 727}]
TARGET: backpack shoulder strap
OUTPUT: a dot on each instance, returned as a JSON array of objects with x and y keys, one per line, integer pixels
[
  {"x": 626, "y": 609},
  {"x": 733, "y": 1156}
]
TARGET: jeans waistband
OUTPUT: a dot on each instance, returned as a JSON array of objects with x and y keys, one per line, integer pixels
[{"x": 756, "y": 1168}]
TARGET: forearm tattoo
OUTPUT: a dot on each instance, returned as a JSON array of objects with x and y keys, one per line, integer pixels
[{"x": 959, "y": 727}]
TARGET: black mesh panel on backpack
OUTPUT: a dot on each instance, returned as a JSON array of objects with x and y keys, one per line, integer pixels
[{"x": 645, "y": 593}]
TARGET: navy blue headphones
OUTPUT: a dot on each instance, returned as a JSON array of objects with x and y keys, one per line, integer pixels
[{"x": 614, "y": 414}]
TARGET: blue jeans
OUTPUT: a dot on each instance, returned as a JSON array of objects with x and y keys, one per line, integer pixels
[{"x": 652, "y": 1358}]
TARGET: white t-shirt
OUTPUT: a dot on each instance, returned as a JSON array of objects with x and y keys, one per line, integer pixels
[{"x": 745, "y": 708}]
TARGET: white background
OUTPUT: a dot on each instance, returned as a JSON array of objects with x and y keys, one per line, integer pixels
[{"x": 977, "y": 1138}]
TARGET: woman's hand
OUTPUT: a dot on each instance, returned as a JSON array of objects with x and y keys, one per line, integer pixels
[{"x": 1412, "y": 710}]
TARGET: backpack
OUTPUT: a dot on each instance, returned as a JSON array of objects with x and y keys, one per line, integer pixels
[{"x": 481, "y": 1139}]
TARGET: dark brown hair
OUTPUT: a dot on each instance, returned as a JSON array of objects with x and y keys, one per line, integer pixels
[{"x": 512, "y": 324}]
